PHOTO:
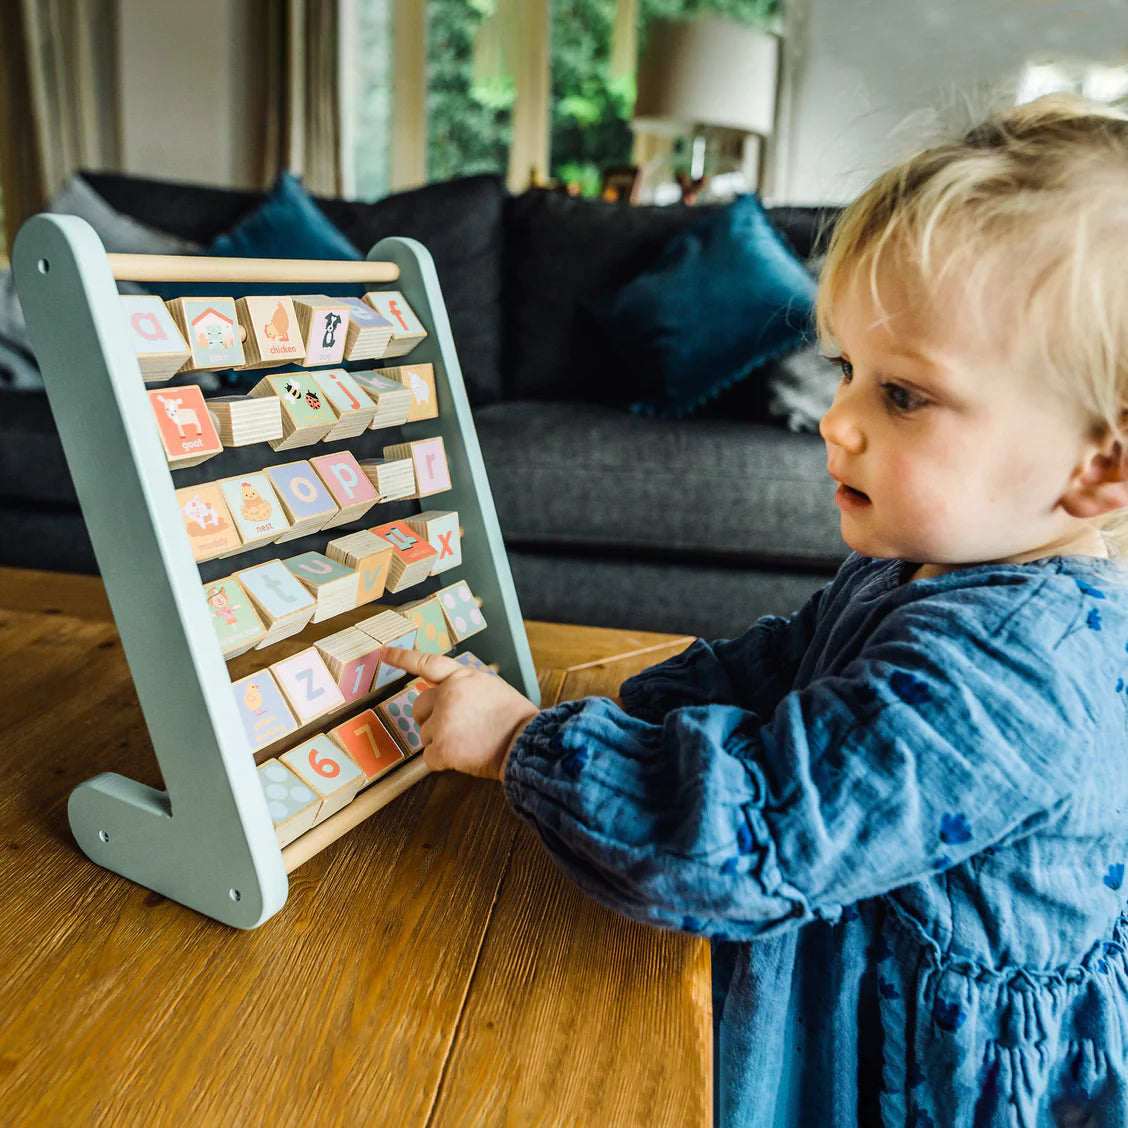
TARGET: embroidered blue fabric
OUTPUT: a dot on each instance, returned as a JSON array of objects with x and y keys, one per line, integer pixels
[{"x": 901, "y": 817}]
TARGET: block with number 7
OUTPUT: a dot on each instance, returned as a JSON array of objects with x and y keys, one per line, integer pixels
[
  {"x": 328, "y": 771},
  {"x": 369, "y": 744}
]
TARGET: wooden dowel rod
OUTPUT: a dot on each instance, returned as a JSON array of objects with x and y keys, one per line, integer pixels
[
  {"x": 197, "y": 268},
  {"x": 366, "y": 803}
]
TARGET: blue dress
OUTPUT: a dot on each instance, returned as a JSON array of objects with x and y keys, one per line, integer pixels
[{"x": 901, "y": 816}]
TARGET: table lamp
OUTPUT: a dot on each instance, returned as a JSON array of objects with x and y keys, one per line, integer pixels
[{"x": 715, "y": 81}]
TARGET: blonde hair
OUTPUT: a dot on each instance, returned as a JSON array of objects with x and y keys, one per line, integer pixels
[{"x": 1027, "y": 214}]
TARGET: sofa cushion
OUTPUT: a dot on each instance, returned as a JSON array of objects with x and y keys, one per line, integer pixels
[
  {"x": 725, "y": 296},
  {"x": 599, "y": 480},
  {"x": 561, "y": 252},
  {"x": 458, "y": 221}
]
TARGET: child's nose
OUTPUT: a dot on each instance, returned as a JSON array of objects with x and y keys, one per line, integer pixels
[{"x": 840, "y": 425}]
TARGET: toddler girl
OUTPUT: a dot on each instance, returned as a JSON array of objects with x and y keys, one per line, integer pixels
[{"x": 901, "y": 815}]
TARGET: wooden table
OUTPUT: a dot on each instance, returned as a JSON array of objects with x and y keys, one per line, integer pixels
[{"x": 431, "y": 968}]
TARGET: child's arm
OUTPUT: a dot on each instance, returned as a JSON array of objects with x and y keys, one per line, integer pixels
[{"x": 933, "y": 745}]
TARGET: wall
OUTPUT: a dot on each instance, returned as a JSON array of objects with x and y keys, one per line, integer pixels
[
  {"x": 866, "y": 66},
  {"x": 188, "y": 88}
]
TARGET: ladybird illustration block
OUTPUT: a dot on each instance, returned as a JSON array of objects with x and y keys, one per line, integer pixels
[
  {"x": 237, "y": 625},
  {"x": 211, "y": 328},
  {"x": 407, "y": 329},
  {"x": 352, "y": 658},
  {"x": 412, "y": 555},
  {"x": 307, "y": 685},
  {"x": 369, "y": 744},
  {"x": 306, "y": 417},
  {"x": 305, "y": 500},
  {"x": 426, "y": 615},
  {"x": 282, "y": 601},
  {"x": 160, "y": 347},
  {"x": 348, "y": 484},
  {"x": 441, "y": 528},
  {"x": 333, "y": 585},
  {"x": 265, "y": 715},
  {"x": 399, "y": 715},
  {"x": 211, "y": 530},
  {"x": 255, "y": 508},
  {"x": 187, "y": 432},
  {"x": 463, "y": 616},
  {"x": 324, "y": 325},
  {"x": 328, "y": 771},
  {"x": 419, "y": 379},
  {"x": 354, "y": 407},
  {"x": 293, "y": 806},
  {"x": 428, "y": 458},
  {"x": 273, "y": 335}
]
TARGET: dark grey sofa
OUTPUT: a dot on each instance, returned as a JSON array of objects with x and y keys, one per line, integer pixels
[{"x": 695, "y": 526}]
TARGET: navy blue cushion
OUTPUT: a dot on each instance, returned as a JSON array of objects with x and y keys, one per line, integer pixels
[{"x": 725, "y": 296}]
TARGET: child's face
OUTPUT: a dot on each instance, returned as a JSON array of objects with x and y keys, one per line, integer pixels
[{"x": 961, "y": 452}]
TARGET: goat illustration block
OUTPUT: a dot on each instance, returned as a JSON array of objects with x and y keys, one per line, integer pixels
[{"x": 187, "y": 432}]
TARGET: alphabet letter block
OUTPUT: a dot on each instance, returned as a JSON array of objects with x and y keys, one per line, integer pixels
[
  {"x": 304, "y": 498},
  {"x": 307, "y": 685},
  {"x": 284, "y": 605},
  {"x": 369, "y": 555},
  {"x": 160, "y": 346},
  {"x": 428, "y": 457},
  {"x": 351, "y": 656},
  {"x": 348, "y": 484},
  {"x": 412, "y": 556},
  {"x": 355, "y": 409},
  {"x": 333, "y": 585},
  {"x": 407, "y": 329},
  {"x": 441, "y": 530}
]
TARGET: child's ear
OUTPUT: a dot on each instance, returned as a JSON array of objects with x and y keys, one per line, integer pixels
[{"x": 1100, "y": 484}]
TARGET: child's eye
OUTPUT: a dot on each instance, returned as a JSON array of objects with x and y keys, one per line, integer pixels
[
  {"x": 844, "y": 366},
  {"x": 901, "y": 398}
]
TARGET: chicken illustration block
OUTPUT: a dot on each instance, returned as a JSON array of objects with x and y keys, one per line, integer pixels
[
  {"x": 255, "y": 509},
  {"x": 265, "y": 715},
  {"x": 273, "y": 335},
  {"x": 211, "y": 530}
]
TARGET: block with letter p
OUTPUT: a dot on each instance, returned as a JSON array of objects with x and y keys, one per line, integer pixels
[{"x": 347, "y": 483}]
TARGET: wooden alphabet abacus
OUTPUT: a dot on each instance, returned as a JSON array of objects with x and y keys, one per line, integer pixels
[{"x": 211, "y": 839}]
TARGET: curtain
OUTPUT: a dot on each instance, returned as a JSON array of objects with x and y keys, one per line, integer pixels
[
  {"x": 302, "y": 84},
  {"x": 58, "y": 98}
]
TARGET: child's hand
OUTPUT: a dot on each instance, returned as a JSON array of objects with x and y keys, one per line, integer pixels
[{"x": 470, "y": 718}]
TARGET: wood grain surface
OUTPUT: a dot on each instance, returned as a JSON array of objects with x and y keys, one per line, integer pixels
[{"x": 432, "y": 967}]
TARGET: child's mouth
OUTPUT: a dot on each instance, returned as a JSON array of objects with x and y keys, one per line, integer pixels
[{"x": 849, "y": 498}]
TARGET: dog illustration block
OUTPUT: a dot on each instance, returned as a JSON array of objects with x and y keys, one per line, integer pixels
[
  {"x": 324, "y": 325},
  {"x": 187, "y": 432},
  {"x": 369, "y": 744},
  {"x": 211, "y": 530}
]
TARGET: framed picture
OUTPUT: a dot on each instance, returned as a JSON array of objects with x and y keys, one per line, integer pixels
[{"x": 620, "y": 185}]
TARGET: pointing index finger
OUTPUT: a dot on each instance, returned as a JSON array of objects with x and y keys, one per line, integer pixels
[{"x": 434, "y": 667}]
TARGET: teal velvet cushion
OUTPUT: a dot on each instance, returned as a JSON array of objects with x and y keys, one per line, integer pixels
[{"x": 725, "y": 296}]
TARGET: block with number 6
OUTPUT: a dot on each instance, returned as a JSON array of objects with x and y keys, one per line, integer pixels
[{"x": 328, "y": 771}]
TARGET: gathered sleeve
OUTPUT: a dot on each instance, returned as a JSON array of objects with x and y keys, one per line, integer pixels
[
  {"x": 936, "y": 741},
  {"x": 754, "y": 669}
]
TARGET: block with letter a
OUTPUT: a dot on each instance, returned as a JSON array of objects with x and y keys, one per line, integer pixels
[
  {"x": 307, "y": 685},
  {"x": 348, "y": 484},
  {"x": 328, "y": 771},
  {"x": 369, "y": 744},
  {"x": 160, "y": 346},
  {"x": 441, "y": 529}
]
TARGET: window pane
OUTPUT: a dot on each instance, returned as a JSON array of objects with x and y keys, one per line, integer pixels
[
  {"x": 469, "y": 96},
  {"x": 370, "y": 101}
]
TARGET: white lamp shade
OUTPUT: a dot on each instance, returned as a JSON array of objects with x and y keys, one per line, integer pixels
[{"x": 707, "y": 71}]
